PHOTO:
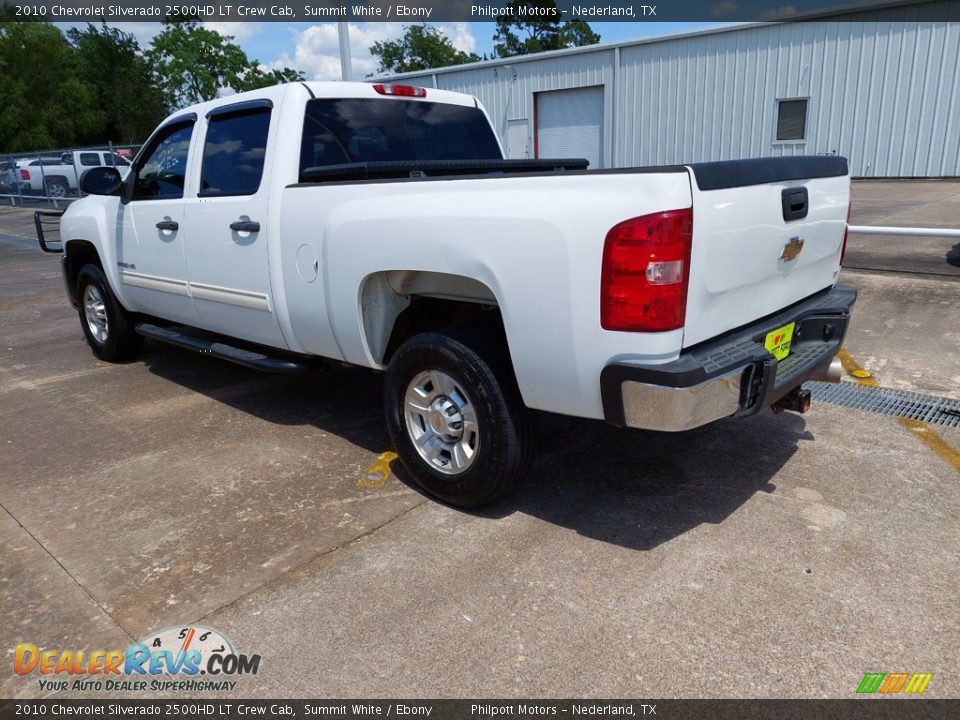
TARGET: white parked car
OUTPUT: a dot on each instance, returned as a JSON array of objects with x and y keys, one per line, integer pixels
[{"x": 379, "y": 225}]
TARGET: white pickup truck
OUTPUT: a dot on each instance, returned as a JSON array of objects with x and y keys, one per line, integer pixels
[
  {"x": 58, "y": 178},
  {"x": 379, "y": 225}
]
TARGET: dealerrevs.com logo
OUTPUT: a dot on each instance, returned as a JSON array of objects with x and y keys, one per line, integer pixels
[{"x": 170, "y": 660}]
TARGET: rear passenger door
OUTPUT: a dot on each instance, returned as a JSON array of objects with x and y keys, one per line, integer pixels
[{"x": 226, "y": 244}]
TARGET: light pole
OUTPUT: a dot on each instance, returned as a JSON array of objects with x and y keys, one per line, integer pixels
[{"x": 346, "y": 67}]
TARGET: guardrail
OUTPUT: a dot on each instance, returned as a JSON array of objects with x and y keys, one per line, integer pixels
[{"x": 918, "y": 232}]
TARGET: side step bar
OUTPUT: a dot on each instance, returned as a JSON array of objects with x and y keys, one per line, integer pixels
[{"x": 249, "y": 358}]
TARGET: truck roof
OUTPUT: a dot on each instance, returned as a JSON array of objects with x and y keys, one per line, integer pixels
[
  {"x": 326, "y": 89},
  {"x": 330, "y": 89}
]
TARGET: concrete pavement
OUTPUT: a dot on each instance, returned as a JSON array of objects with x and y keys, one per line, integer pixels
[{"x": 776, "y": 556}]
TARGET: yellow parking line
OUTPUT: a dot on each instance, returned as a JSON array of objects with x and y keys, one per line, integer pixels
[
  {"x": 929, "y": 437},
  {"x": 377, "y": 475},
  {"x": 855, "y": 369},
  {"x": 926, "y": 434}
]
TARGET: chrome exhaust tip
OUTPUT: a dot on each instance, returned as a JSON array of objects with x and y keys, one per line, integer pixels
[{"x": 832, "y": 373}]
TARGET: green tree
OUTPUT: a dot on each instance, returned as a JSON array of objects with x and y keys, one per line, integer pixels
[
  {"x": 46, "y": 102},
  {"x": 422, "y": 47},
  {"x": 111, "y": 63},
  {"x": 256, "y": 78},
  {"x": 515, "y": 36},
  {"x": 192, "y": 63}
]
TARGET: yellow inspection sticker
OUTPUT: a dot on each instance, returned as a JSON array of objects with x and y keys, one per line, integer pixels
[{"x": 778, "y": 341}]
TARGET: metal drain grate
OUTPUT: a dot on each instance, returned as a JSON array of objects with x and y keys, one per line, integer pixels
[{"x": 899, "y": 403}]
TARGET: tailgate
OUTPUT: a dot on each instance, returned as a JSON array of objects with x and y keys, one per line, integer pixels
[{"x": 766, "y": 234}]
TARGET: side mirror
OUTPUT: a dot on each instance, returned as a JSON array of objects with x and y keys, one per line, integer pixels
[{"x": 101, "y": 181}]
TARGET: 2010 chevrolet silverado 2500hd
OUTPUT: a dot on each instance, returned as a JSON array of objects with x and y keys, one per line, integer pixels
[{"x": 379, "y": 225}]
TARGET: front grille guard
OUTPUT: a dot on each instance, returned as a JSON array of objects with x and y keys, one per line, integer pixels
[{"x": 46, "y": 221}]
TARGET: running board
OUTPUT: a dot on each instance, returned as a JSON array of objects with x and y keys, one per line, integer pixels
[{"x": 249, "y": 358}]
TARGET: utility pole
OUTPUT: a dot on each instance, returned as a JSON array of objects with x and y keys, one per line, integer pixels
[{"x": 346, "y": 66}]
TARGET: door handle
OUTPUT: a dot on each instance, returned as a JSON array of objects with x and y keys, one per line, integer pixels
[
  {"x": 245, "y": 226},
  {"x": 795, "y": 203},
  {"x": 168, "y": 224}
]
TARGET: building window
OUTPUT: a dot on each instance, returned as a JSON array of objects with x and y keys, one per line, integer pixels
[{"x": 792, "y": 120}]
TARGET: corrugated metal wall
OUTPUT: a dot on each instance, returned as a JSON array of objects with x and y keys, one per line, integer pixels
[
  {"x": 507, "y": 90},
  {"x": 883, "y": 89}
]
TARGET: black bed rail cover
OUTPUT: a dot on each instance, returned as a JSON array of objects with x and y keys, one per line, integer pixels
[
  {"x": 431, "y": 168},
  {"x": 740, "y": 173}
]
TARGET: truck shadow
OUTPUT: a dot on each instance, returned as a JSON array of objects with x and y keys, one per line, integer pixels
[
  {"x": 627, "y": 487},
  {"x": 640, "y": 489},
  {"x": 343, "y": 401}
]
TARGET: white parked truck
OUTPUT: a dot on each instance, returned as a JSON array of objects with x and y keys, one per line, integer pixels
[
  {"x": 58, "y": 178},
  {"x": 379, "y": 225}
]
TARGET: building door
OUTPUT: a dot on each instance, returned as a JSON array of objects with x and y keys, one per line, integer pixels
[
  {"x": 569, "y": 124},
  {"x": 518, "y": 139}
]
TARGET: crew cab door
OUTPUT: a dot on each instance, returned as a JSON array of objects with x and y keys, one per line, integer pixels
[
  {"x": 151, "y": 232},
  {"x": 227, "y": 220}
]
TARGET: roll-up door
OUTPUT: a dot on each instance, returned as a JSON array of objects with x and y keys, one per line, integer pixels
[{"x": 570, "y": 124}]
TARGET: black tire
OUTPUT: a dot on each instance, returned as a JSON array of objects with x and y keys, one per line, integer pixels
[
  {"x": 481, "y": 372},
  {"x": 120, "y": 341}
]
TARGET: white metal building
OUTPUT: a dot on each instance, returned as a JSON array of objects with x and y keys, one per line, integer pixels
[{"x": 880, "y": 87}]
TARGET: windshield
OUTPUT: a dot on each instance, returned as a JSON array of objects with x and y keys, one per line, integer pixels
[{"x": 337, "y": 131}]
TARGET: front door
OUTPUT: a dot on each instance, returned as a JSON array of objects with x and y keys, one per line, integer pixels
[
  {"x": 151, "y": 229},
  {"x": 227, "y": 226}
]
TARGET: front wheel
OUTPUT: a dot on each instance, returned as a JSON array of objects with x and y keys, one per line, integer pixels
[
  {"x": 456, "y": 418},
  {"x": 107, "y": 325}
]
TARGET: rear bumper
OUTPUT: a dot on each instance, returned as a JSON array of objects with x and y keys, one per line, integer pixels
[{"x": 732, "y": 374}]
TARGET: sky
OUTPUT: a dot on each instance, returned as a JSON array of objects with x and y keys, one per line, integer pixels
[{"x": 313, "y": 49}]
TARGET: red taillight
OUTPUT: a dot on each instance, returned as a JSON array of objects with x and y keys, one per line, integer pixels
[
  {"x": 846, "y": 230},
  {"x": 25, "y": 175},
  {"x": 401, "y": 90},
  {"x": 646, "y": 270}
]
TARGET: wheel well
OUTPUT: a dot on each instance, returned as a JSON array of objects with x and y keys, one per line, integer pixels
[
  {"x": 397, "y": 305},
  {"x": 426, "y": 314},
  {"x": 78, "y": 253}
]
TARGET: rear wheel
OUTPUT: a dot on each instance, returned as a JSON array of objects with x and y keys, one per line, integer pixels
[
  {"x": 106, "y": 324},
  {"x": 57, "y": 189},
  {"x": 456, "y": 418}
]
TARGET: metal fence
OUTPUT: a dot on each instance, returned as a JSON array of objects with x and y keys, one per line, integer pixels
[{"x": 52, "y": 178}]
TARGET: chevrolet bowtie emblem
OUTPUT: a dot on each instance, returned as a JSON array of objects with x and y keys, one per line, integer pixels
[{"x": 791, "y": 249}]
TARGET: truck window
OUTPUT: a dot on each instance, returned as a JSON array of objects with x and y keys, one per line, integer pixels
[
  {"x": 351, "y": 130},
  {"x": 89, "y": 159},
  {"x": 162, "y": 172},
  {"x": 233, "y": 153}
]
